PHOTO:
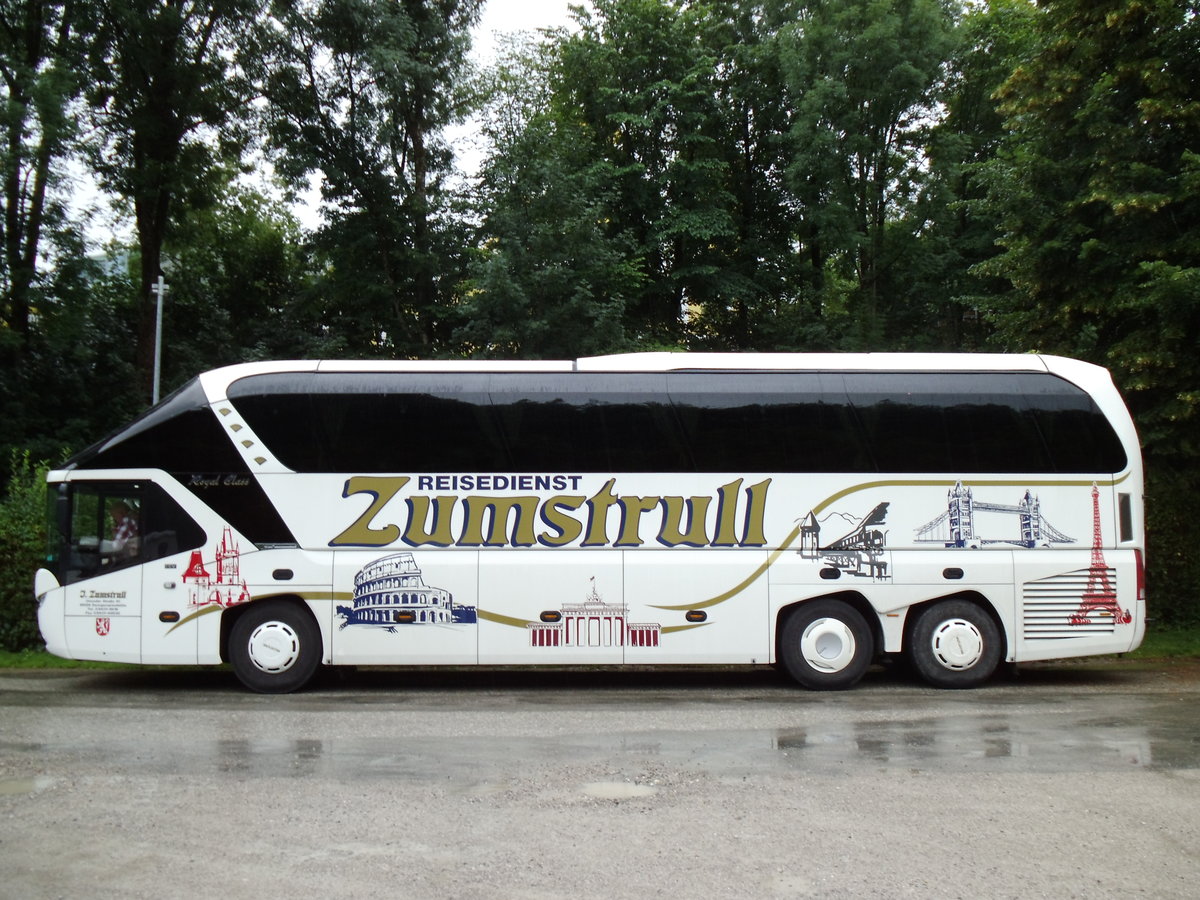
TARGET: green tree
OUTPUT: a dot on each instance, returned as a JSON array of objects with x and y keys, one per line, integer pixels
[
  {"x": 76, "y": 379},
  {"x": 1098, "y": 191},
  {"x": 169, "y": 92},
  {"x": 636, "y": 81},
  {"x": 759, "y": 298},
  {"x": 38, "y": 78},
  {"x": 943, "y": 238},
  {"x": 549, "y": 280},
  {"x": 863, "y": 75},
  {"x": 22, "y": 551},
  {"x": 361, "y": 92},
  {"x": 239, "y": 275}
]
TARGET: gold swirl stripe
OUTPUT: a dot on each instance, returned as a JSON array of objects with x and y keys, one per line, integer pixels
[
  {"x": 202, "y": 611},
  {"x": 738, "y": 588},
  {"x": 502, "y": 620}
]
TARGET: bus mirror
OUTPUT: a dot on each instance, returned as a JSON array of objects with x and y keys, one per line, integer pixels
[{"x": 44, "y": 581}]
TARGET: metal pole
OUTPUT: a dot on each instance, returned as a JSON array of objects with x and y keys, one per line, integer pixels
[{"x": 159, "y": 288}]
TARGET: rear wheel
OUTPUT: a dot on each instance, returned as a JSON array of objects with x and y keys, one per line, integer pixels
[
  {"x": 275, "y": 647},
  {"x": 826, "y": 645},
  {"x": 955, "y": 644}
]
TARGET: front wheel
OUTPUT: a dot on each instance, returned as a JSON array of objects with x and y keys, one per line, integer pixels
[
  {"x": 955, "y": 644},
  {"x": 275, "y": 647},
  {"x": 826, "y": 645}
]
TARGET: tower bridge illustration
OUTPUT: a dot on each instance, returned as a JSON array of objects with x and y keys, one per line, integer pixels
[
  {"x": 968, "y": 522},
  {"x": 860, "y": 552}
]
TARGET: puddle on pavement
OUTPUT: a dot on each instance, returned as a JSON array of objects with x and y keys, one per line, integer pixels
[
  {"x": 618, "y": 790},
  {"x": 10, "y": 787},
  {"x": 1085, "y": 735}
]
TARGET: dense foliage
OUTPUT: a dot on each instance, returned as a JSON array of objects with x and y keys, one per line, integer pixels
[
  {"x": 22, "y": 550},
  {"x": 727, "y": 174}
]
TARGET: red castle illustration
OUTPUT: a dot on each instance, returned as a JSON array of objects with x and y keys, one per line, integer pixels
[{"x": 228, "y": 588}]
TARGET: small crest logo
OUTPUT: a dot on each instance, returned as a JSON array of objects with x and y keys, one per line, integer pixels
[{"x": 103, "y": 626}]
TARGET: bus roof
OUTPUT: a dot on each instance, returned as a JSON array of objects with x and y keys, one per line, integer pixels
[
  {"x": 666, "y": 361},
  {"x": 217, "y": 381}
]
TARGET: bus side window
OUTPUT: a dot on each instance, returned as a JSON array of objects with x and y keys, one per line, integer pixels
[
  {"x": 123, "y": 527},
  {"x": 114, "y": 526},
  {"x": 591, "y": 422},
  {"x": 83, "y": 544},
  {"x": 167, "y": 529},
  {"x": 105, "y": 529},
  {"x": 792, "y": 422}
]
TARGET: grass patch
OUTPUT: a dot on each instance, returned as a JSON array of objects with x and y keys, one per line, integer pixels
[
  {"x": 1168, "y": 643},
  {"x": 40, "y": 659}
]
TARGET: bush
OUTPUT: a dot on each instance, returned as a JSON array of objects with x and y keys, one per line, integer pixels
[
  {"x": 22, "y": 551},
  {"x": 1172, "y": 565}
]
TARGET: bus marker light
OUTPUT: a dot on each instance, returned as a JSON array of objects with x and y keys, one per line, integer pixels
[
  {"x": 168, "y": 615},
  {"x": 551, "y": 615},
  {"x": 696, "y": 615}
]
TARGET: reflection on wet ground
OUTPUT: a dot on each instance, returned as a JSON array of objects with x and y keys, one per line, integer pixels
[
  {"x": 994, "y": 743},
  {"x": 699, "y": 721},
  {"x": 933, "y": 745}
]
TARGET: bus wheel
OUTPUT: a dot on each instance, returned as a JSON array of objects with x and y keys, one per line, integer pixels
[
  {"x": 826, "y": 645},
  {"x": 275, "y": 647},
  {"x": 955, "y": 644}
]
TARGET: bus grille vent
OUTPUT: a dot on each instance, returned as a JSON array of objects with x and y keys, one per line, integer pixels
[{"x": 1068, "y": 605}]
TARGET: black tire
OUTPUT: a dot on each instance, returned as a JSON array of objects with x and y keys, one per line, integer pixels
[
  {"x": 826, "y": 645},
  {"x": 955, "y": 644},
  {"x": 275, "y": 647}
]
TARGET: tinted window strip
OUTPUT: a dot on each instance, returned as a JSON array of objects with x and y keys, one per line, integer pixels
[{"x": 953, "y": 423}]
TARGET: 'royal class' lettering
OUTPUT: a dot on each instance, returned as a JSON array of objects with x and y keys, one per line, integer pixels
[{"x": 606, "y": 518}]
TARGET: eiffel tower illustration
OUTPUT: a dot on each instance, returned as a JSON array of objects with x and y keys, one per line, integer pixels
[{"x": 1100, "y": 598}]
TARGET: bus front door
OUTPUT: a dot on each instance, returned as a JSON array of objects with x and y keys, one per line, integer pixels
[{"x": 102, "y": 578}]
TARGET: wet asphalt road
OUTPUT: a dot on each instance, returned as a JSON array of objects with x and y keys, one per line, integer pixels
[{"x": 1066, "y": 780}]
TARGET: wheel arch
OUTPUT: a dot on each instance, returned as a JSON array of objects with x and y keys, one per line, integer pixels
[
  {"x": 973, "y": 597},
  {"x": 851, "y": 598},
  {"x": 231, "y": 615}
]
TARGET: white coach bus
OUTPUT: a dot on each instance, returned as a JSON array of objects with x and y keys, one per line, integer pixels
[{"x": 811, "y": 511}]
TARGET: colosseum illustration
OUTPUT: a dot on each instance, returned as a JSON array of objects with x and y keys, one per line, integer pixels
[{"x": 391, "y": 591}]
